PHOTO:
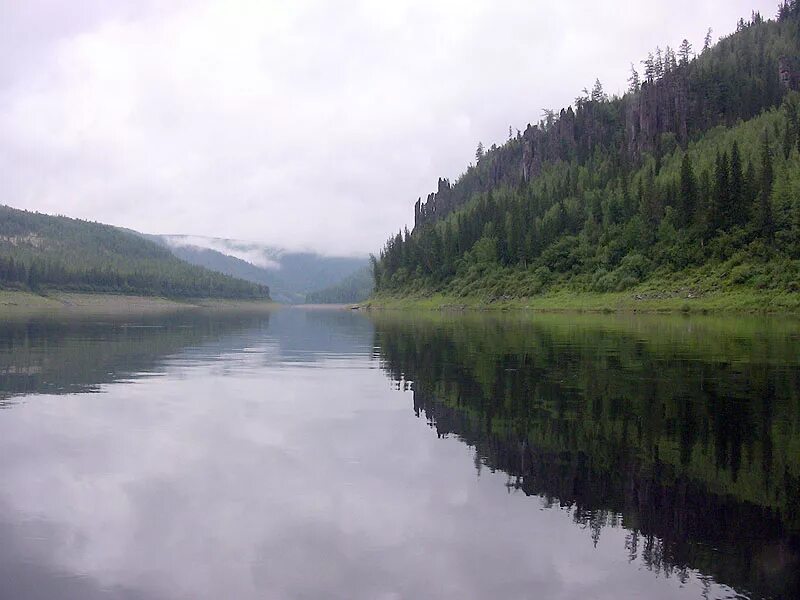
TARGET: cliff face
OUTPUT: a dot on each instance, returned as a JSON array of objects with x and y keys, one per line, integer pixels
[
  {"x": 631, "y": 125},
  {"x": 743, "y": 75}
]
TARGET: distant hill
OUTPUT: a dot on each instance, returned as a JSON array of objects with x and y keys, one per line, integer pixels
[
  {"x": 354, "y": 288},
  {"x": 40, "y": 252},
  {"x": 289, "y": 275}
]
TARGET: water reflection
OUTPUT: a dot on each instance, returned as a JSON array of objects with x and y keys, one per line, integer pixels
[
  {"x": 61, "y": 356},
  {"x": 685, "y": 433},
  {"x": 252, "y": 456}
]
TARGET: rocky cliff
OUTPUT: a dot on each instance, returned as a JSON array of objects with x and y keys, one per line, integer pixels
[{"x": 745, "y": 73}]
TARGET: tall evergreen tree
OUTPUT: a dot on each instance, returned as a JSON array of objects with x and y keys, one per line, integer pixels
[
  {"x": 688, "y": 197},
  {"x": 707, "y": 42},
  {"x": 633, "y": 80},
  {"x": 479, "y": 153},
  {"x": 764, "y": 221},
  {"x": 598, "y": 95},
  {"x": 658, "y": 64},
  {"x": 685, "y": 52},
  {"x": 737, "y": 211},
  {"x": 649, "y": 68},
  {"x": 750, "y": 188},
  {"x": 720, "y": 202}
]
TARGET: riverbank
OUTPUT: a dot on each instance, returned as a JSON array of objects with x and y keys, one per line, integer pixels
[
  {"x": 644, "y": 300},
  {"x": 17, "y": 303}
]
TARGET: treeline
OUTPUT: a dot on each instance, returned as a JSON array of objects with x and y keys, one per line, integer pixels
[
  {"x": 354, "y": 288},
  {"x": 40, "y": 252},
  {"x": 625, "y": 189},
  {"x": 678, "y": 93}
]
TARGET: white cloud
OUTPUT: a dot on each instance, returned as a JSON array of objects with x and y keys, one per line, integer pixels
[
  {"x": 256, "y": 254},
  {"x": 303, "y": 124}
]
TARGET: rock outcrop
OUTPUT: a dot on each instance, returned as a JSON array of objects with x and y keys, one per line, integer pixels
[{"x": 662, "y": 111}]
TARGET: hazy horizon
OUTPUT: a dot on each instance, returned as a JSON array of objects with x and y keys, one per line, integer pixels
[{"x": 311, "y": 127}]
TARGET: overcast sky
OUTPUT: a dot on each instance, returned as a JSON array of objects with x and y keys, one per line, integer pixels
[{"x": 304, "y": 123}]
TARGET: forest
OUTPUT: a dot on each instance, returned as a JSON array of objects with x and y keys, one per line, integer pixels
[
  {"x": 691, "y": 180},
  {"x": 42, "y": 252},
  {"x": 353, "y": 288}
]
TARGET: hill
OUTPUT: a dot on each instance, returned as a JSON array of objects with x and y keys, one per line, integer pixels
[
  {"x": 291, "y": 276},
  {"x": 687, "y": 185},
  {"x": 355, "y": 288},
  {"x": 40, "y": 252}
]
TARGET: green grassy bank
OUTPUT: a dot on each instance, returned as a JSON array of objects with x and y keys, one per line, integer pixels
[
  {"x": 18, "y": 303},
  {"x": 636, "y": 300}
]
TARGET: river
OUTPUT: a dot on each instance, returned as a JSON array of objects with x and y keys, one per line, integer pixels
[{"x": 337, "y": 454}]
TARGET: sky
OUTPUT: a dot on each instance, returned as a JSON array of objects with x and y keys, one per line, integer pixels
[{"x": 304, "y": 124}]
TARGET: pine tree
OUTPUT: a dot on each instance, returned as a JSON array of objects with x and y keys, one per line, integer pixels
[
  {"x": 633, "y": 80},
  {"x": 737, "y": 215},
  {"x": 658, "y": 64},
  {"x": 597, "y": 92},
  {"x": 479, "y": 153},
  {"x": 750, "y": 187},
  {"x": 688, "y": 199},
  {"x": 764, "y": 220},
  {"x": 685, "y": 52},
  {"x": 788, "y": 140},
  {"x": 647, "y": 197},
  {"x": 705, "y": 204},
  {"x": 720, "y": 203},
  {"x": 708, "y": 40},
  {"x": 649, "y": 68},
  {"x": 669, "y": 60},
  {"x": 34, "y": 276}
]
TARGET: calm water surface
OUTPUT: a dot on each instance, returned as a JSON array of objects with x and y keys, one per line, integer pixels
[{"x": 329, "y": 454}]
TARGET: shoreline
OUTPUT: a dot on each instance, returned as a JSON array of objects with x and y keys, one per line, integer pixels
[
  {"x": 23, "y": 304},
  {"x": 745, "y": 301}
]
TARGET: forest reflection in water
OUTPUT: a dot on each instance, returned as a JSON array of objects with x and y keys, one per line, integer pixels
[
  {"x": 686, "y": 432},
  {"x": 641, "y": 455}
]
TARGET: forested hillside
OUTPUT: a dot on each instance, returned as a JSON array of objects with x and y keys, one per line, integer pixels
[
  {"x": 691, "y": 180},
  {"x": 290, "y": 275},
  {"x": 354, "y": 288},
  {"x": 40, "y": 252}
]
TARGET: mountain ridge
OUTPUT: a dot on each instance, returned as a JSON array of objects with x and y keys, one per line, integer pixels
[
  {"x": 290, "y": 275},
  {"x": 689, "y": 184},
  {"x": 40, "y": 251}
]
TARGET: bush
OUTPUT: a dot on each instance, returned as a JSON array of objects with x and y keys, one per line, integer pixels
[
  {"x": 635, "y": 266},
  {"x": 740, "y": 274}
]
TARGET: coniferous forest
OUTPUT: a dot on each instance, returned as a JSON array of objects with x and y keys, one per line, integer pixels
[
  {"x": 688, "y": 183},
  {"x": 355, "y": 288},
  {"x": 41, "y": 252}
]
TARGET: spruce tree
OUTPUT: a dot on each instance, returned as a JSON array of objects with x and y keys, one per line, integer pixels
[
  {"x": 598, "y": 95},
  {"x": 688, "y": 199},
  {"x": 685, "y": 52},
  {"x": 764, "y": 221},
  {"x": 649, "y": 68},
  {"x": 737, "y": 214},
  {"x": 720, "y": 202},
  {"x": 633, "y": 80},
  {"x": 750, "y": 188}
]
